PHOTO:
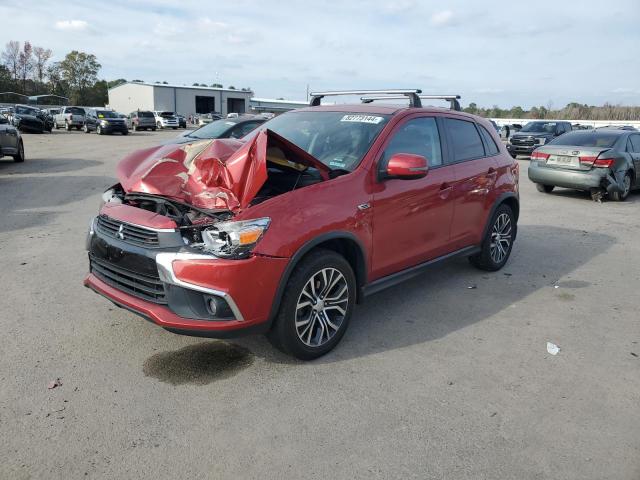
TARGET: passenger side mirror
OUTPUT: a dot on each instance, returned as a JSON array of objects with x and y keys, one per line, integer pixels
[
  {"x": 407, "y": 166},
  {"x": 3, "y": 120}
]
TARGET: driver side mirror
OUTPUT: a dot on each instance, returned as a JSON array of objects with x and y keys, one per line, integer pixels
[
  {"x": 3, "y": 120},
  {"x": 407, "y": 166}
]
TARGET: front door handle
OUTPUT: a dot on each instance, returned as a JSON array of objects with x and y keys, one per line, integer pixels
[{"x": 445, "y": 190}]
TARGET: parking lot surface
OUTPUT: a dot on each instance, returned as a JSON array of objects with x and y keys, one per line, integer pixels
[{"x": 446, "y": 376}]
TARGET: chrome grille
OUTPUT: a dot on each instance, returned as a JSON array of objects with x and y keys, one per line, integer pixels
[{"x": 126, "y": 232}]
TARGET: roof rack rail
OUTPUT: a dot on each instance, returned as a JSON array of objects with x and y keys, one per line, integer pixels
[
  {"x": 412, "y": 94},
  {"x": 452, "y": 99}
]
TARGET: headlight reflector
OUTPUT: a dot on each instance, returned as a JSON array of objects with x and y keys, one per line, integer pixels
[{"x": 234, "y": 239}]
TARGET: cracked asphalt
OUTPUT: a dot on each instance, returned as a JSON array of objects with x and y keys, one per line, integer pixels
[{"x": 432, "y": 380}]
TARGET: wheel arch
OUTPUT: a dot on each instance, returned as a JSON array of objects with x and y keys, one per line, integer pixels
[
  {"x": 507, "y": 198},
  {"x": 342, "y": 242}
]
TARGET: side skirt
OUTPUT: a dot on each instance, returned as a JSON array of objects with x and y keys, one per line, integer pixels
[{"x": 401, "y": 276}]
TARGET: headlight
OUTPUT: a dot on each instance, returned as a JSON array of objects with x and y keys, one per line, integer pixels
[
  {"x": 541, "y": 140},
  {"x": 234, "y": 239},
  {"x": 104, "y": 123},
  {"x": 110, "y": 196}
]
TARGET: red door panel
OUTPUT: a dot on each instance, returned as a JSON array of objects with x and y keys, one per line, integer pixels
[
  {"x": 474, "y": 181},
  {"x": 411, "y": 221}
]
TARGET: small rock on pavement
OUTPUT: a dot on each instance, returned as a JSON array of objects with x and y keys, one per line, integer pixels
[
  {"x": 54, "y": 384},
  {"x": 552, "y": 348}
]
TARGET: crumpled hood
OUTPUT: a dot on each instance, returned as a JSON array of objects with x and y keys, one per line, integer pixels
[{"x": 219, "y": 174}]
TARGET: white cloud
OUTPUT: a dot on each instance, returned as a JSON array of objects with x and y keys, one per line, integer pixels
[
  {"x": 69, "y": 25},
  {"x": 443, "y": 18}
]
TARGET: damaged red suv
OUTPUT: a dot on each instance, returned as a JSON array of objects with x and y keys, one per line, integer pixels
[{"x": 285, "y": 230}]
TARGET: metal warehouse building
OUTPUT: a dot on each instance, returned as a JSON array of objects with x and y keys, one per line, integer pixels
[{"x": 131, "y": 96}]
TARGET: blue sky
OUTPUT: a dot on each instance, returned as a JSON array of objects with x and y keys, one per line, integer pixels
[{"x": 491, "y": 52}]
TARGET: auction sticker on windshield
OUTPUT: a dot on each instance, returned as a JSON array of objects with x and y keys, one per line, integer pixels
[{"x": 362, "y": 119}]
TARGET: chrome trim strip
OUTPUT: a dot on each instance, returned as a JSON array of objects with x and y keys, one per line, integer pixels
[
  {"x": 164, "y": 262},
  {"x": 145, "y": 227}
]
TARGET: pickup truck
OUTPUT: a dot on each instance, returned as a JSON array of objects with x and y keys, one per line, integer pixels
[{"x": 69, "y": 117}]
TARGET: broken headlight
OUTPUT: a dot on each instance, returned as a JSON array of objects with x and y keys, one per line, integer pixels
[{"x": 234, "y": 239}]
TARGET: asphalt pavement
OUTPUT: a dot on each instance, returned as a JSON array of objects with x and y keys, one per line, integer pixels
[{"x": 445, "y": 376}]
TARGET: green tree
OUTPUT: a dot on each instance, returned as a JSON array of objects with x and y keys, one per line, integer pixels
[
  {"x": 516, "y": 112},
  {"x": 80, "y": 71},
  {"x": 231, "y": 87},
  {"x": 216, "y": 85},
  {"x": 115, "y": 83},
  {"x": 472, "y": 108}
]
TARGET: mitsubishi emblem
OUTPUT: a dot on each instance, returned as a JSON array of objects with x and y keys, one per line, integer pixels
[{"x": 120, "y": 235}]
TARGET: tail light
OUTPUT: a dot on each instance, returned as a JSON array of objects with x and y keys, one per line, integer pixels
[
  {"x": 604, "y": 162},
  {"x": 540, "y": 156},
  {"x": 587, "y": 161}
]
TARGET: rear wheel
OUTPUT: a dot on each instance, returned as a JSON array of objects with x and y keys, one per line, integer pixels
[
  {"x": 316, "y": 306},
  {"x": 622, "y": 196},
  {"x": 19, "y": 157},
  {"x": 545, "y": 188},
  {"x": 498, "y": 242}
]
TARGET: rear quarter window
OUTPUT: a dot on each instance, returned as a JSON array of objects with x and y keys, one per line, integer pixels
[
  {"x": 465, "y": 140},
  {"x": 492, "y": 148}
]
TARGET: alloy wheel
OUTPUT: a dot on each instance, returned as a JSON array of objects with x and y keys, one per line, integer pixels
[
  {"x": 322, "y": 306},
  {"x": 500, "y": 238}
]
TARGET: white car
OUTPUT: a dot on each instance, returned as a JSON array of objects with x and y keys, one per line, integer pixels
[{"x": 166, "y": 120}]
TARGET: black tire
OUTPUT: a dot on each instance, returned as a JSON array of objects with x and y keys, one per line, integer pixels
[
  {"x": 67, "y": 127},
  {"x": 78, "y": 127},
  {"x": 159, "y": 125},
  {"x": 513, "y": 155},
  {"x": 175, "y": 128},
  {"x": 86, "y": 128},
  {"x": 55, "y": 124},
  {"x": 134, "y": 127},
  {"x": 285, "y": 335},
  {"x": 545, "y": 188},
  {"x": 622, "y": 196},
  {"x": 125, "y": 132},
  {"x": 153, "y": 129},
  {"x": 494, "y": 255},
  {"x": 99, "y": 130},
  {"x": 19, "y": 157}
]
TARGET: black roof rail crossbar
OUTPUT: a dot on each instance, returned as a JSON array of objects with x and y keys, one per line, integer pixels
[
  {"x": 412, "y": 94},
  {"x": 452, "y": 99}
]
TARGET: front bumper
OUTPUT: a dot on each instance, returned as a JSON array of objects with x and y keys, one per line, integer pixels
[
  {"x": 114, "y": 128},
  {"x": 172, "y": 286},
  {"x": 562, "y": 177},
  {"x": 521, "y": 149}
]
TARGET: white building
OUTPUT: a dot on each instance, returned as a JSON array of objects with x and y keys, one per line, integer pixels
[
  {"x": 131, "y": 96},
  {"x": 271, "y": 105}
]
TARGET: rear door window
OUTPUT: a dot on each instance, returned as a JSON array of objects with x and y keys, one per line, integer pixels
[
  {"x": 465, "y": 140},
  {"x": 635, "y": 142}
]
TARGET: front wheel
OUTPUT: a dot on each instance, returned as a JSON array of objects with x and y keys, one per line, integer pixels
[
  {"x": 86, "y": 128},
  {"x": 626, "y": 189},
  {"x": 159, "y": 125},
  {"x": 153, "y": 129},
  {"x": 498, "y": 241},
  {"x": 99, "y": 130},
  {"x": 125, "y": 132},
  {"x": 67, "y": 127},
  {"x": 316, "y": 306},
  {"x": 545, "y": 188}
]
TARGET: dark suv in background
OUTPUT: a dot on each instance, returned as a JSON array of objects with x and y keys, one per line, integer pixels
[
  {"x": 534, "y": 134},
  {"x": 104, "y": 121}
]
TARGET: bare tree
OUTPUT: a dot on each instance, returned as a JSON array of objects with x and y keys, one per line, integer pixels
[
  {"x": 10, "y": 57},
  {"x": 42, "y": 56},
  {"x": 25, "y": 64}
]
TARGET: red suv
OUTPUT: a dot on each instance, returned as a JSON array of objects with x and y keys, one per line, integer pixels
[{"x": 285, "y": 230}]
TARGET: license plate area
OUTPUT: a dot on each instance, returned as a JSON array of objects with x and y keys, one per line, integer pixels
[{"x": 564, "y": 161}]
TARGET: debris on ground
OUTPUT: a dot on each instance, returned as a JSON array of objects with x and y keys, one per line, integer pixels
[
  {"x": 634, "y": 354},
  {"x": 54, "y": 384},
  {"x": 472, "y": 287},
  {"x": 552, "y": 348}
]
